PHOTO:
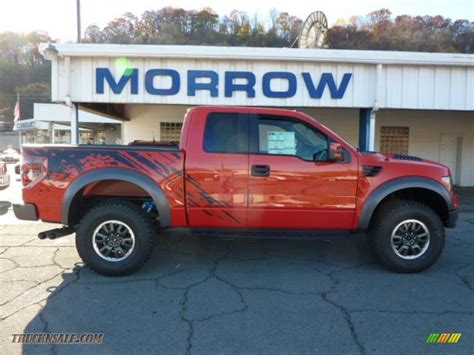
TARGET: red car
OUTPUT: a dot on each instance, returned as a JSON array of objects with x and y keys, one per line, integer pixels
[{"x": 238, "y": 172}]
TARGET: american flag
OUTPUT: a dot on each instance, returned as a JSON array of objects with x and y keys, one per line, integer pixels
[{"x": 16, "y": 112}]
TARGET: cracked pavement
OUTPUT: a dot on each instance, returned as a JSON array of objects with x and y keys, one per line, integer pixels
[
  {"x": 227, "y": 296},
  {"x": 199, "y": 296}
]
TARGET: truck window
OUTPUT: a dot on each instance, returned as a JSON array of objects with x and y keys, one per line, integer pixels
[
  {"x": 284, "y": 136},
  {"x": 226, "y": 133}
]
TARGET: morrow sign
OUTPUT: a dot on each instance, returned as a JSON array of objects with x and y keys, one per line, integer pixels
[{"x": 208, "y": 81}]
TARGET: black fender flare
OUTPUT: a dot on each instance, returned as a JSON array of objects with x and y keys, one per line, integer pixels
[
  {"x": 134, "y": 177},
  {"x": 392, "y": 186}
]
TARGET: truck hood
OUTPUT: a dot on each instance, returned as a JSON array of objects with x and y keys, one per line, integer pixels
[{"x": 406, "y": 161}]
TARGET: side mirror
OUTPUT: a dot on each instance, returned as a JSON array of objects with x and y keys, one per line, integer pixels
[{"x": 335, "y": 152}]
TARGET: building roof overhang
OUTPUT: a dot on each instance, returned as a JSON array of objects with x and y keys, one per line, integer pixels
[{"x": 53, "y": 50}]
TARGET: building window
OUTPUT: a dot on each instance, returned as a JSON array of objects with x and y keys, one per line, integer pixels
[
  {"x": 394, "y": 139},
  {"x": 170, "y": 131}
]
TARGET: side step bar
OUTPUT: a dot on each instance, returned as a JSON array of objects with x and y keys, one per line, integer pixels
[
  {"x": 56, "y": 233},
  {"x": 272, "y": 233}
]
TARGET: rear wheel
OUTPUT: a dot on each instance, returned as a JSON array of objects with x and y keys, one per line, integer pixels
[
  {"x": 115, "y": 238},
  {"x": 407, "y": 236}
]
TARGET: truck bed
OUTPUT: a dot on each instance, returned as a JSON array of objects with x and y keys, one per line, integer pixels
[{"x": 65, "y": 163}]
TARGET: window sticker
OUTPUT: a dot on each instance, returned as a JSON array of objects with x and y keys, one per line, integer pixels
[{"x": 281, "y": 142}]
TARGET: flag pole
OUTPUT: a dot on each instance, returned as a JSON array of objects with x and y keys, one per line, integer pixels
[{"x": 17, "y": 116}]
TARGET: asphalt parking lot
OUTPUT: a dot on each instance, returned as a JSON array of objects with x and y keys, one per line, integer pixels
[{"x": 218, "y": 296}]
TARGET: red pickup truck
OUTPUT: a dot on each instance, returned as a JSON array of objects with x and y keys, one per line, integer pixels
[{"x": 238, "y": 172}]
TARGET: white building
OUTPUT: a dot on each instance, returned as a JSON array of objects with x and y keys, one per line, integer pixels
[
  {"x": 416, "y": 103},
  {"x": 52, "y": 124}
]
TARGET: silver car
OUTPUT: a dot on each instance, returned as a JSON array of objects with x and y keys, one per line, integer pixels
[
  {"x": 4, "y": 177},
  {"x": 10, "y": 155}
]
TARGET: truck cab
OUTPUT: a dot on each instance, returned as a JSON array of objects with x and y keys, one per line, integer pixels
[
  {"x": 270, "y": 169},
  {"x": 239, "y": 171}
]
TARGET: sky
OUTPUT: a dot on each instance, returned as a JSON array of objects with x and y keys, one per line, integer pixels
[{"x": 58, "y": 17}]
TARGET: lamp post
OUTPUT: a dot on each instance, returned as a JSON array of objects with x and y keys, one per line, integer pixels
[
  {"x": 78, "y": 11},
  {"x": 75, "y": 124}
]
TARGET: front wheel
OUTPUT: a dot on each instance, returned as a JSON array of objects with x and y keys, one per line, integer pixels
[
  {"x": 115, "y": 238},
  {"x": 407, "y": 236}
]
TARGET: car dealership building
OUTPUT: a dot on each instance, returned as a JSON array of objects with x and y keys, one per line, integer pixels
[{"x": 415, "y": 103}]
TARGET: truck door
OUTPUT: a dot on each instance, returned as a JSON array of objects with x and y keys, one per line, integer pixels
[
  {"x": 288, "y": 187},
  {"x": 217, "y": 170}
]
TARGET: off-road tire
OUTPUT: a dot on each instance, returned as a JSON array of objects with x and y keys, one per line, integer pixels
[
  {"x": 130, "y": 214},
  {"x": 387, "y": 219}
]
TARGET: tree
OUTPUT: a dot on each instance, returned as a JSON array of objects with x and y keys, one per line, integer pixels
[
  {"x": 20, "y": 65},
  {"x": 377, "y": 30},
  {"x": 93, "y": 34},
  {"x": 203, "y": 26},
  {"x": 31, "y": 94},
  {"x": 173, "y": 26},
  {"x": 122, "y": 30},
  {"x": 462, "y": 34},
  {"x": 288, "y": 28}
]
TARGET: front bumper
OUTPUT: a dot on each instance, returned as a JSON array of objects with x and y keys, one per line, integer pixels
[
  {"x": 452, "y": 219},
  {"x": 26, "y": 212}
]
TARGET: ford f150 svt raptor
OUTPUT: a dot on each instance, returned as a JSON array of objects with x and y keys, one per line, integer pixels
[{"x": 238, "y": 172}]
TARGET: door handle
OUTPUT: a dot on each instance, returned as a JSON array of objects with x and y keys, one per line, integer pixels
[{"x": 260, "y": 170}]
